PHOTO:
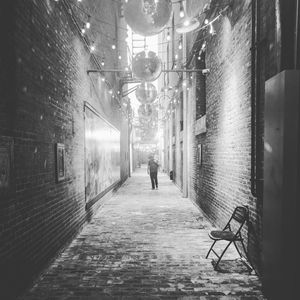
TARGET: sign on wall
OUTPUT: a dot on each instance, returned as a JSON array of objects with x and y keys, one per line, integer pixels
[{"x": 102, "y": 154}]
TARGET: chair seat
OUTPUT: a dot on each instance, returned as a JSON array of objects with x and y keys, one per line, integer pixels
[{"x": 222, "y": 235}]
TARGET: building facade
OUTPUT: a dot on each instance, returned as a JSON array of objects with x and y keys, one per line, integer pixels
[
  {"x": 214, "y": 120},
  {"x": 48, "y": 102}
]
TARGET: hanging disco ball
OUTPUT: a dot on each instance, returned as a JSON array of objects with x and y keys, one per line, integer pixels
[
  {"x": 146, "y": 93},
  {"x": 145, "y": 111},
  {"x": 147, "y": 17},
  {"x": 146, "y": 66}
]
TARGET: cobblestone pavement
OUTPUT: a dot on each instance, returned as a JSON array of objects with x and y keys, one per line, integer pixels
[{"x": 144, "y": 244}]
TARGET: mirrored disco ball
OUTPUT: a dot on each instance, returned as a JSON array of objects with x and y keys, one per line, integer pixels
[
  {"x": 147, "y": 17},
  {"x": 145, "y": 111},
  {"x": 146, "y": 66},
  {"x": 146, "y": 93}
]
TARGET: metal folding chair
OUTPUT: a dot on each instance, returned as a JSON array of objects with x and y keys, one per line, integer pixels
[{"x": 232, "y": 234}]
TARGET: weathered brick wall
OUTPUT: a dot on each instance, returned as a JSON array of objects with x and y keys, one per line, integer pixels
[
  {"x": 43, "y": 88},
  {"x": 223, "y": 180}
]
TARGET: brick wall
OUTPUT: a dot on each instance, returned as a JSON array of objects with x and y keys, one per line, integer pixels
[
  {"x": 44, "y": 85},
  {"x": 223, "y": 179}
]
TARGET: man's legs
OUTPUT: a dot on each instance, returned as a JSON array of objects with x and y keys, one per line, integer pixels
[
  {"x": 155, "y": 179},
  {"x": 152, "y": 180}
]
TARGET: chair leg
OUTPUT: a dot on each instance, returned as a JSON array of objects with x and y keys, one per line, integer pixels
[
  {"x": 220, "y": 257},
  {"x": 210, "y": 249},
  {"x": 237, "y": 249},
  {"x": 247, "y": 256}
]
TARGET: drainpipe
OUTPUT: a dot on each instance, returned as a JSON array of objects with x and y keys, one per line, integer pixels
[
  {"x": 297, "y": 41},
  {"x": 254, "y": 100}
]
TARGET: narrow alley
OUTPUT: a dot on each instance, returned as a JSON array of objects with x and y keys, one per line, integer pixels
[
  {"x": 97, "y": 94},
  {"x": 144, "y": 244}
]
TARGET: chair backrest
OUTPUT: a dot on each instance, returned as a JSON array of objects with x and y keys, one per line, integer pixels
[
  {"x": 240, "y": 214},
  {"x": 238, "y": 218}
]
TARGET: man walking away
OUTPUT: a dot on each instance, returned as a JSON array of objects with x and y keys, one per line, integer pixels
[{"x": 152, "y": 170}]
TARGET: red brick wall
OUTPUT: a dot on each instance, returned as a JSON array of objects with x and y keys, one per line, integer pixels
[{"x": 43, "y": 88}]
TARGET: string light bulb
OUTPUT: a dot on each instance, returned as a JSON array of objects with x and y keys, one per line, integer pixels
[
  {"x": 102, "y": 62},
  {"x": 168, "y": 36},
  {"x": 88, "y": 23},
  {"x": 113, "y": 46},
  {"x": 187, "y": 22},
  {"x": 180, "y": 45},
  {"x": 212, "y": 30},
  {"x": 181, "y": 11},
  {"x": 92, "y": 47}
]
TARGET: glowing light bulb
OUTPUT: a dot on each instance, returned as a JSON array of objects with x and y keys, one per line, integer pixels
[
  {"x": 168, "y": 36},
  {"x": 180, "y": 45},
  {"x": 181, "y": 12},
  {"x": 211, "y": 30},
  {"x": 88, "y": 23},
  {"x": 186, "y": 23},
  {"x": 113, "y": 46}
]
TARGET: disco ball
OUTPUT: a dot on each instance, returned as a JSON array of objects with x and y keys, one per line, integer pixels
[
  {"x": 145, "y": 111},
  {"x": 147, "y": 17},
  {"x": 146, "y": 66},
  {"x": 146, "y": 93}
]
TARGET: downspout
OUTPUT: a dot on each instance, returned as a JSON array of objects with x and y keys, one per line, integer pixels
[
  {"x": 253, "y": 98},
  {"x": 297, "y": 42},
  {"x": 258, "y": 143},
  {"x": 256, "y": 170}
]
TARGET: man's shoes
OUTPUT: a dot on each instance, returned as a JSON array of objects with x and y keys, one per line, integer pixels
[
  {"x": 157, "y": 187},
  {"x": 153, "y": 188}
]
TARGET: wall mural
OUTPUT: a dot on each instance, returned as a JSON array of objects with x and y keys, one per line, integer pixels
[{"x": 102, "y": 154}]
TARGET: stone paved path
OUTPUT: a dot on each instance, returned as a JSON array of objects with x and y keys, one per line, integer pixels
[{"x": 144, "y": 244}]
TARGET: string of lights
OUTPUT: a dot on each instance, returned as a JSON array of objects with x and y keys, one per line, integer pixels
[
  {"x": 97, "y": 18},
  {"x": 91, "y": 48}
]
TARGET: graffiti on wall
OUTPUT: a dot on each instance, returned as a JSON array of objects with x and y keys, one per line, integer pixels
[{"x": 102, "y": 154}]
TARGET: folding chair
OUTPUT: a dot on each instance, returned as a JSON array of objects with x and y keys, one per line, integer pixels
[{"x": 239, "y": 216}]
